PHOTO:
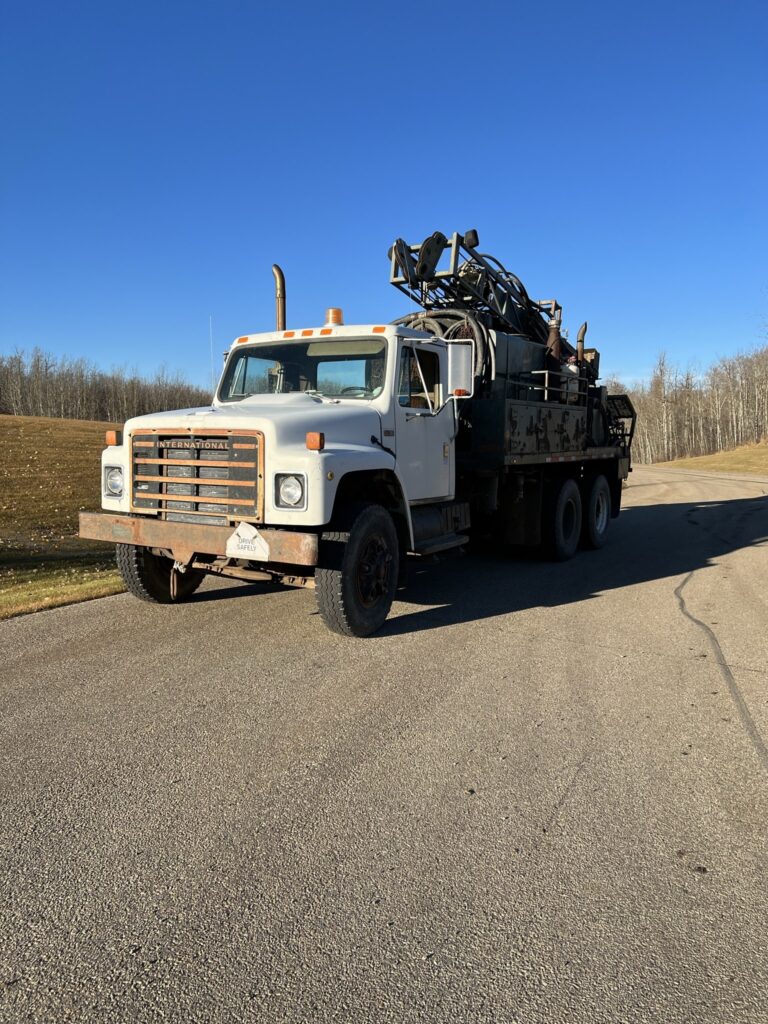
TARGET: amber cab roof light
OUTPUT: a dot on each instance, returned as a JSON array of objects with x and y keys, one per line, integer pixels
[{"x": 333, "y": 317}]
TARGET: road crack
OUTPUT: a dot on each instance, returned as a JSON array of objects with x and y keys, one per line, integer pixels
[{"x": 725, "y": 670}]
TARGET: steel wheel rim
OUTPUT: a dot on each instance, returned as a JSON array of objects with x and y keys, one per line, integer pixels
[
  {"x": 601, "y": 513},
  {"x": 373, "y": 567}
]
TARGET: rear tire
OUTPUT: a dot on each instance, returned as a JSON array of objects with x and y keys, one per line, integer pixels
[
  {"x": 562, "y": 527},
  {"x": 148, "y": 576},
  {"x": 597, "y": 514},
  {"x": 356, "y": 579}
]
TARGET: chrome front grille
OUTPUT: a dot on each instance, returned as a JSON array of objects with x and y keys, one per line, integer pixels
[{"x": 215, "y": 478}]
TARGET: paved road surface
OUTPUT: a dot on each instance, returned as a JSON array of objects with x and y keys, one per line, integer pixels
[{"x": 540, "y": 795}]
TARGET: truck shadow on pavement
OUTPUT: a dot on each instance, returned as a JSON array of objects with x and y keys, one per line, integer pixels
[
  {"x": 225, "y": 588},
  {"x": 645, "y": 543}
]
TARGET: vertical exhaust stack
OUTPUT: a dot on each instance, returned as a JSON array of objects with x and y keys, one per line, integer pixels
[
  {"x": 554, "y": 338},
  {"x": 580, "y": 342},
  {"x": 279, "y": 297}
]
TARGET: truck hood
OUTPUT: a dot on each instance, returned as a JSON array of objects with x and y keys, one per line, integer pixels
[{"x": 284, "y": 419}]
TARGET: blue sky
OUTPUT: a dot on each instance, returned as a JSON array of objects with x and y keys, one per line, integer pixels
[{"x": 157, "y": 158}]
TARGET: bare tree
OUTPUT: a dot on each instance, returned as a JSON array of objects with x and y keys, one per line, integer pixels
[
  {"x": 39, "y": 384},
  {"x": 685, "y": 413}
]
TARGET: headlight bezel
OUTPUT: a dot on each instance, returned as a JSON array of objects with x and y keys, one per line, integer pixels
[
  {"x": 281, "y": 479},
  {"x": 108, "y": 490}
]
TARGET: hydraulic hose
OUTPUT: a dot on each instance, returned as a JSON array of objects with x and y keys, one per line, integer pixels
[{"x": 448, "y": 323}]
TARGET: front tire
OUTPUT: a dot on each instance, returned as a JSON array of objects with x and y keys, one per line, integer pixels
[
  {"x": 148, "y": 576},
  {"x": 357, "y": 576},
  {"x": 597, "y": 514},
  {"x": 563, "y": 523}
]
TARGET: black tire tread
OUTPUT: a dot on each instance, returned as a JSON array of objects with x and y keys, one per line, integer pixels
[
  {"x": 553, "y": 545},
  {"x": 330, "y": 600},
  {"x": 329, "y": 579},
  {"x": 590, "y": 539},
  {"x": 142, "y": 574}
]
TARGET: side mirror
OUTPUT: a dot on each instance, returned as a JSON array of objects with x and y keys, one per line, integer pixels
[{"x": 461, "y": 371}]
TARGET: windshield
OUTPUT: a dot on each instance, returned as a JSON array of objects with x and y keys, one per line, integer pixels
[{"x": 337, "y": 368}]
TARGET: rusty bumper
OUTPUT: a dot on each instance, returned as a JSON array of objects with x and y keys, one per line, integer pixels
[{"x": 186, "y": 539}]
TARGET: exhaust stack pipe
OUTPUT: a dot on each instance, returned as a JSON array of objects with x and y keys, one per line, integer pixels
[
  {"x": 279, "y": 297},
  {"x": 580, "y": 342},
  {"x": 554, "y": 339}
]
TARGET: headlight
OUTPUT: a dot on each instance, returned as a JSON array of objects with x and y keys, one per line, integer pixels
[
  {"x": 290, "y": 490},
  {"x": 113, "y": 481}
]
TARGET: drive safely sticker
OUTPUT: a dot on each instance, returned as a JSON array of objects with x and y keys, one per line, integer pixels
[{"x": 247, "y": 542}]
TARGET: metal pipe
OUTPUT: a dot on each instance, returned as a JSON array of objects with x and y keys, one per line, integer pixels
[
  {"x": 554, "y": 338},
  {"x": 580, "y": 342},
  {"x": 279, "y": 297}
]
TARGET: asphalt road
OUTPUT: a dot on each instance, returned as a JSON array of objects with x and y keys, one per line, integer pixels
[{"x": 540, "y": 795}]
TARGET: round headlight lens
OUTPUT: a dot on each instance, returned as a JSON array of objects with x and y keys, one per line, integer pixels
[
  {"x": 291, "y": 490},
  {"x": 114, "y": 481}
]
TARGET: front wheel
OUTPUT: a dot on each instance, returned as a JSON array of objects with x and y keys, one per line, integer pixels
[
  {"x": 597, "y": 514},
  {"x": 357, "y": 576},
  {"x": 152, "y": 577}
]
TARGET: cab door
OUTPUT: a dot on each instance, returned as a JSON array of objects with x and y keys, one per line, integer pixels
[{"x": 425, "y": 425}]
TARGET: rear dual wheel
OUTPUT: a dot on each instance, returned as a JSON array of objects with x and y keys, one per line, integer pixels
[
  {"x": 569, "y": 520},
  {"x": 562, "y": 528},
  {"x": 597, "y": 513}
]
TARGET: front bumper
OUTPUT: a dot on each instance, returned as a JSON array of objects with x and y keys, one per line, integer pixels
[{"x": 184, "y": 540}]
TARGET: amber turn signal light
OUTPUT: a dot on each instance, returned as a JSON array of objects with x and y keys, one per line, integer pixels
[
  {"x": 315, "y": 441},
  {"x": 461, "y": 392},
  {"x": 113, "y": 438}
]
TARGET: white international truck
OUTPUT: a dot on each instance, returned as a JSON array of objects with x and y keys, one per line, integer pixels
[{"x": 330, "y": 455}]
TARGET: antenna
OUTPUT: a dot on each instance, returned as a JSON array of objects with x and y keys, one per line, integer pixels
[{"x": 210, "y": 339}]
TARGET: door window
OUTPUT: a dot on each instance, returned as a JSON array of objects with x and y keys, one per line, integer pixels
[{"x": 419, "y": 384}]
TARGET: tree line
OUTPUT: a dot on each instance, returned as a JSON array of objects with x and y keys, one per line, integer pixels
[
  {"x": 40, "y": 384},
  {"x": 680, "y": 413}
]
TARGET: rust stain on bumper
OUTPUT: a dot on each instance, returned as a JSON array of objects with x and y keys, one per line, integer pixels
[{"x": 183, "y": 539}]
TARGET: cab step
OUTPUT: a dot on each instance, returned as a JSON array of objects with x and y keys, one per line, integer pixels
[{"x": 433, "y": 545}]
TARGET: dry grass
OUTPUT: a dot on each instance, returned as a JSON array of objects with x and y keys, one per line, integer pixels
[
  {"x": 48, "y": 583},
  {"x": 49, "y": 471},
  {"x": 750, "y": 458}
]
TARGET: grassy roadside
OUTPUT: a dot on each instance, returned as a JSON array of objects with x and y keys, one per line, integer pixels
[
  {"x": 749, "y": 458},
  {"x": 49, "y": 583},
  {"x": 49, "y": 471}
]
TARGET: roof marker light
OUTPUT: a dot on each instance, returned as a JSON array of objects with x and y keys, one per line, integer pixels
[{"x": 334, "y": 317}]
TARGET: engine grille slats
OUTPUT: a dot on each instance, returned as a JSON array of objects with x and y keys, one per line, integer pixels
[{"x": 187, "y": 477}]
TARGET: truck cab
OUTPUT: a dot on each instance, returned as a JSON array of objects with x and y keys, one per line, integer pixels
[{"x": 306, "y": 429}]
